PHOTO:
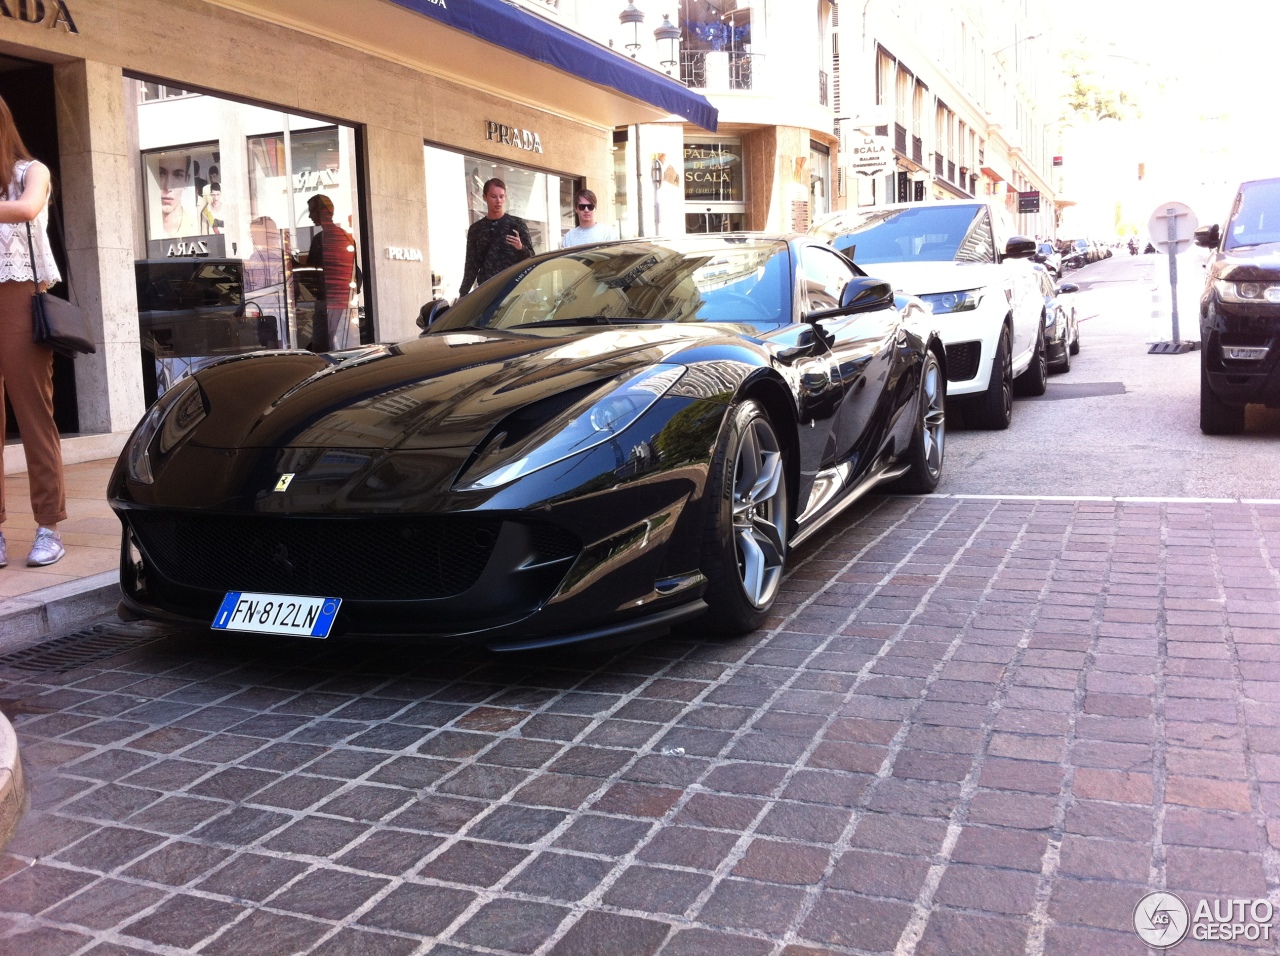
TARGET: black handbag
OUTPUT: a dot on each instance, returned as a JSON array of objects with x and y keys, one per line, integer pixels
[{"x": 56, "y": 323}]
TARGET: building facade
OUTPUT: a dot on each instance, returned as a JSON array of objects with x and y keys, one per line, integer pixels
[
  {"x": 209, "y": 154},
  {"x": 963, "y": 92}
]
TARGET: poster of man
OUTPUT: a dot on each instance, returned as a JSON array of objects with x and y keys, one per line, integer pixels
[{"x": 177, "y": 185}]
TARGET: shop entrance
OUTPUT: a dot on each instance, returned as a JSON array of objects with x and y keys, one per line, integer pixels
[{"x": 27, "y": 88}]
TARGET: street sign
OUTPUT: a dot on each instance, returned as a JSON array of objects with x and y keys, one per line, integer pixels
[
  {"x": 1057, "y": 161},
  {"x": 869, "y": 155},
  {"x": 1029, "y": 201},
  {"x": 1180, "y": 236},
  {"x": 1172, "y": 228}
]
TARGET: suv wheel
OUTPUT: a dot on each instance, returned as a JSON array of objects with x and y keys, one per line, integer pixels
[
  {"x": 1216, "y": 416},
  {"x": 1035, "y": 379}
]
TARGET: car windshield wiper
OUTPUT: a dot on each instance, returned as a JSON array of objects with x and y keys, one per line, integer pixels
[{"x": 586, "y": 320}]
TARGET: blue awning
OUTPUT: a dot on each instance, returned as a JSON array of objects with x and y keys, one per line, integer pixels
[{"x": 521, "y": 32}]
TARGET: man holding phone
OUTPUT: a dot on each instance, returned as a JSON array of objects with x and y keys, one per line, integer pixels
[{"x": 496, "y": 241}]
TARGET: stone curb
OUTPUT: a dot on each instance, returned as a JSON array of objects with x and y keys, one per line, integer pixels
[
  {"x": 29, "y": 618},
  {"x": 13, "y": 791}
]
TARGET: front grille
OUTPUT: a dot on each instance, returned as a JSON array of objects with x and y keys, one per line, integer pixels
[
  {"x": 354, "y": 558},
  {"x": 962, "y": 361}
]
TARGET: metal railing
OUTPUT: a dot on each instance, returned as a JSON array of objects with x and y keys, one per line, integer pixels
[
  {"x": 739, "y": 70},
  {"x": 693, "y": 69}
]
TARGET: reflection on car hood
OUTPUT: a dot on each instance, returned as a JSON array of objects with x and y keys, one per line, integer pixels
[
  {"x": 440, "y": 391},
  {"x": 923, "y": 278}
]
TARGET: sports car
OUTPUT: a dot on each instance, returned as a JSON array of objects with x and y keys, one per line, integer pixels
[{"x": 598, "y": 441}]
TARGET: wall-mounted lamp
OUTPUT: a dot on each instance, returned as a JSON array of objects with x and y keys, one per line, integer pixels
[
  {"x": 668, "y": 37},
  {"x": 632, "y": 16},
  {"x": 656, "y": 172}
]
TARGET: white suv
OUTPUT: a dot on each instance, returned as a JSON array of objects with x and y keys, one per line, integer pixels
[{"x": 962, "y": 259}]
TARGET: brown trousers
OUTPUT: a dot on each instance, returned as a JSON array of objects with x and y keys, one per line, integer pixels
[{"x": 26, "y": 374}]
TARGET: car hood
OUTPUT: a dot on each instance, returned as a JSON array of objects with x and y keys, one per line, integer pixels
[
  {"x": 924, "y": 278},
  {"x": 445, "y": 390},
  {"x": 1245, "y": 263}
]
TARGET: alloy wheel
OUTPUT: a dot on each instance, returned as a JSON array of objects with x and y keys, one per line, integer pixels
[
  {"x": 934, "y": 416},
  {"x": 759, "y": 513}
]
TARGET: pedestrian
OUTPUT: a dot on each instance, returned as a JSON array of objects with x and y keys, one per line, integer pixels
[
  {"x": 587, "y": 230},
  {"x": 334, "y": 251},
  {"x": 26, "y": 369},
  {"x": 496, "y": 241}
]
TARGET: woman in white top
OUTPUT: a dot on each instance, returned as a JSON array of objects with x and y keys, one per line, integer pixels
[
  {"x": 587, "y": 230},
  {"x": 26, "y": 369}
]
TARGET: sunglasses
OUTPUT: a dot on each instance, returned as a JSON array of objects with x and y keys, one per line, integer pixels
[{"x": 586, "y": 205}]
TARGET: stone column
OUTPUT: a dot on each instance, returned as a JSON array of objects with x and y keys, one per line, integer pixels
[{"x": 98, "y": 193}]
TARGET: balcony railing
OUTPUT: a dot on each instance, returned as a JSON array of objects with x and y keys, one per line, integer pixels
[
  {"x": 937, "y": 165},
  {"x": 693, "y": 69},
  {"x": 917, "y": 150},
  {"x": 951, "y": 170},
  {"x": 822, "y": 88},
  {"x": 900, "y": 138}
]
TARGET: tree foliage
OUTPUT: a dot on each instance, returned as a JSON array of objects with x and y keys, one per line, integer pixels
[{"x": 1090, "y": 94}]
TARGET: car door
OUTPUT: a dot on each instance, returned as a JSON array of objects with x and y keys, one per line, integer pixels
[
  {"x": 1025, "y": 301},
  {"x": 861, "y": 344}
]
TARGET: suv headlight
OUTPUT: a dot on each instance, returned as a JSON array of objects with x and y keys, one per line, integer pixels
[
  {"x": 596, "y": 419},
  {"x": 167, "y": 422},
  {"x": 1230, "y": 291},
  {"x": 944, "y": 302}
]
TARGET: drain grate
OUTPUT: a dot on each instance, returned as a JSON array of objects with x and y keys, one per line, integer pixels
[
  {"x": 1060, "y": 391},
  {"x": 88, "y": 645}
]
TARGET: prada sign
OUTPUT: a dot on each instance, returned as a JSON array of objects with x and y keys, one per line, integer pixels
[
  {"x": 512, "y": 136},
  {"x": 52, "y": 13}
]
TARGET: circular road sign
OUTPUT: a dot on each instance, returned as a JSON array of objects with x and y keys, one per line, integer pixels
[{"x": 1184, "y": 224}]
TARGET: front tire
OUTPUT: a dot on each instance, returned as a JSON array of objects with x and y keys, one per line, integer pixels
[
  {"x": 1216, "y": 416},
  {"x": 993, "y": 409},
  {"x": 744, "y": 551},
  {"x": 1035, "y": 380},
  {"x": 925, "y": 454}
]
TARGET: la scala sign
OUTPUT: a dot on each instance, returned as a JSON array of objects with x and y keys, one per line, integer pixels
[{"x": 869, "y": 155}]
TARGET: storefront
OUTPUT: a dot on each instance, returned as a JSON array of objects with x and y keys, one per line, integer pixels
[{"x": 232, "y": 172}]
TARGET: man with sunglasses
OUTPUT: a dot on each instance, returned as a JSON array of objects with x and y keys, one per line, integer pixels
[{"x": 587, "y": 230}]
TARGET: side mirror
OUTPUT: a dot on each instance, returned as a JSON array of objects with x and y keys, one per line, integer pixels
[
  {"x": 1208, "y": 236},
  {"x": 861, "y": 294},
  {"x": 428, "y": 314},
  {"x": 1066, "y": 288},
  {"x": 1020, "y": 247}
]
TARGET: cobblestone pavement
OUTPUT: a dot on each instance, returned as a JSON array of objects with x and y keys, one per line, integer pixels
[{"x": 973, "y": 726}]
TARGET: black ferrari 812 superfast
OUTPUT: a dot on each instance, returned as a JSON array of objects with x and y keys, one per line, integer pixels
[{"x": 598, "y": 441}]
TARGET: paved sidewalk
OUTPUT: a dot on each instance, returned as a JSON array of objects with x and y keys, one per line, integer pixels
[
  {"x": 39, "y": 602},
  {"x": 974, "y": 725}
]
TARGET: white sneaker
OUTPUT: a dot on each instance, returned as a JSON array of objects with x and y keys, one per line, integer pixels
[{"x": 46, "y": 550}]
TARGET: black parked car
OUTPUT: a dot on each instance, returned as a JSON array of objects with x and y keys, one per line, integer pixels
[
  {"x": 1240, "y": 310},
  {"x": 1061, "y": 328},
  {"x": 599, "y": 440}
]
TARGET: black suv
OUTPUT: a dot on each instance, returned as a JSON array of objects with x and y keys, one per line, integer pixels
[{"x": 1240, "y": 310}]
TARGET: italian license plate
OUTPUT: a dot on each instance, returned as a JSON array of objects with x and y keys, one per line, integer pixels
[{"x": 276, "y": 614}]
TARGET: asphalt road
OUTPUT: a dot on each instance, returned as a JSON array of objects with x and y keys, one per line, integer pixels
[{"x": 1122, "y": 422}]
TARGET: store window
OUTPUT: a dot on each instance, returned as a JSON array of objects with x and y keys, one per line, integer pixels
[
  {"x": 455, "y": 199},
  {"x": 249, "y": 232},
  {"x": 714, "y": 190}
]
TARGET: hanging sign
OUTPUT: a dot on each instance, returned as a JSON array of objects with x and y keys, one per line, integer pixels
[{"x": 869, "y": 155}]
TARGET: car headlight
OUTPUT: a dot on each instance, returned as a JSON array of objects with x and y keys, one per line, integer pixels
[
  {"x": 944, "y": 302},
  {"x": 167, "y": 422},
  {"x": 1230, "y": 291},
  {"x": 593, "y": 421}
]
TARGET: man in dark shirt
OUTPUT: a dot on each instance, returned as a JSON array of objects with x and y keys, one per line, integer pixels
[{"x": 496, "y": 241}]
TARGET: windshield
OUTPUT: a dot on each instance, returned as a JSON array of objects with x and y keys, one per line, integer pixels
[
  {"x": 927, "y": 233},
  {"x": 1256, "y": 217},
  {"x": 720, "y": 280}
]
